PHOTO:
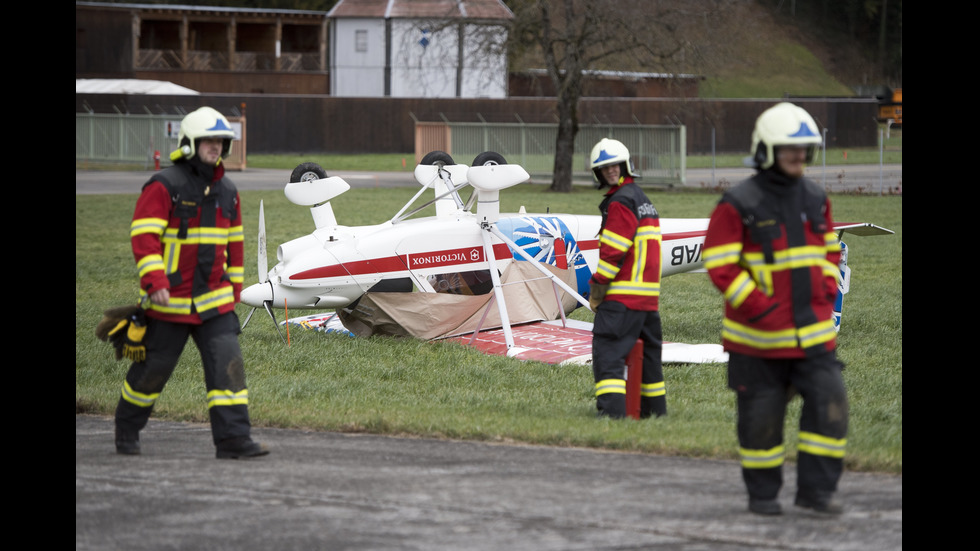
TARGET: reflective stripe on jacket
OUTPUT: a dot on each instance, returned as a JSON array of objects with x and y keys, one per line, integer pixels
[
  {"x": 771, "y": 251},
  {"x": 630, "y": 248},
  {"x": 187, "y": 237}
]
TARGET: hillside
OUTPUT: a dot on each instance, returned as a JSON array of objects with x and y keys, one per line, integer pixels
[
  {"x": 771, "y": 55},
  {"x": 744, "y": 49}
]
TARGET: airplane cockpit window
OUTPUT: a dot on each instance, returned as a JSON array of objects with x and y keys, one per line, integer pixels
[{"x": 477, "y": 282}]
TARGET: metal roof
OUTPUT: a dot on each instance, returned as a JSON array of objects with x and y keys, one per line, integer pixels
[
  {"x": 414, "y": 9},
  {"x": 188, "y": 8},
  {"x": 130, "y": 86}
]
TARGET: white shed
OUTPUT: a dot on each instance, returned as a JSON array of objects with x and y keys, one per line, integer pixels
[{"x": 431, "y": 49}]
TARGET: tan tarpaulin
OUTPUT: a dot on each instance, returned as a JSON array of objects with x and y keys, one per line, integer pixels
[{"x": 530, "y": 296}]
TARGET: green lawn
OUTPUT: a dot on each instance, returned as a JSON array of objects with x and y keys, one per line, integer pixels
[{"x": 408, "y": 387}]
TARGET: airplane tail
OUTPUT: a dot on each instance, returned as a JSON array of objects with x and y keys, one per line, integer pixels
[{"x": 843, "y": 285}]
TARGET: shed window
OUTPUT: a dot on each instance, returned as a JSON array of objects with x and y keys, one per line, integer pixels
[{"x": 360, "y": 41}]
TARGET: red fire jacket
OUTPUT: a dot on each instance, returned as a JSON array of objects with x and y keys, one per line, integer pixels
[
  {"x": 776, "y": 266},
  {"x": 187, "y": 236},
  {"x": 629, "y": 248}
]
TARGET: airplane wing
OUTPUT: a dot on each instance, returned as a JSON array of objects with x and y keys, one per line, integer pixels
[
  {"x": 544, "y": 341},
  {"x": 861, "y": 228},
  {"x": 550, "y": 342},
  {"x": 328, "y": 322}
]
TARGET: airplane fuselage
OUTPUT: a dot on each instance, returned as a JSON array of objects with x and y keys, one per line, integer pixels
[{"x": 334, "y": 266}]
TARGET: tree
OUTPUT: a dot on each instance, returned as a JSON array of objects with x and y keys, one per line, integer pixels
[{"x": 573, "y": 37}]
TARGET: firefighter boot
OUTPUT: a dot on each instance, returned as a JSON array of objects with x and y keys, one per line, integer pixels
[
  {"x": 820, "y": 502},
  {"x": 240, "y": 448},
  {"x": 611, "y": 405},
  {"x": 765, "y": 506},
  {"x": 127, "y": 442},
  {"x": 653, "y": 406}
]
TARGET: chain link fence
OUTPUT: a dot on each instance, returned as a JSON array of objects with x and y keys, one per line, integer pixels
[
  {"x": 657, "y": 152},
  {"x": 138, "y": 140}
]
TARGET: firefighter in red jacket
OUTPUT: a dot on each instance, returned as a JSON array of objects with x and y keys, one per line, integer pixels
[
  {"x": 625, "y": 289},
  {"x": 187, "y": 239},
  {"x": 771, "y": 251}
]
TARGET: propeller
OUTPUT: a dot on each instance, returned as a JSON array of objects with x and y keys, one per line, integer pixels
[
  {"x": 263, "y": 267},
  {"x": 263, "y": 260}
]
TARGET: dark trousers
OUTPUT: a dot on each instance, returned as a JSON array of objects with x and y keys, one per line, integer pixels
[
  {"x": 615, "y": 331},
  {"x": 763, "y": 388},
  {"x": 217, "y": 341}
]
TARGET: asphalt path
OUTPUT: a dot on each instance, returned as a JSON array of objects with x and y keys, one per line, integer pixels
[
  {"x": 851, "y": 178},
  {"x": 333, "y": 491}
]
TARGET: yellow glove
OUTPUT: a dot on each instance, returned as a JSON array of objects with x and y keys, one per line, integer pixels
[
  {"x": 124, "y": 327},
  {"x": 597, "y": 292}
]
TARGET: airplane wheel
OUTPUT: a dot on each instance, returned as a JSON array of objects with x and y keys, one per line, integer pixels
[
  {"x": 436, "y": 158},
  {"x": 489, "y": 158},
  {"x": 307, "y": 172}
]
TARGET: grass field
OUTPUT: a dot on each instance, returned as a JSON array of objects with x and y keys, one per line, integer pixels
[{"x": 408, "y": 387}]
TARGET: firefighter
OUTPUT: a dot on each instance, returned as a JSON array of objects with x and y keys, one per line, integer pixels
[
  {"x": 625, "y": 289},
  {"x": 187, "y": 239},
  {"x": 771, "y": 251}
]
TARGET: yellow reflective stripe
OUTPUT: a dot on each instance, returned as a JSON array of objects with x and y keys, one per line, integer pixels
[
  {"x": 227, "y": 398},
  {"x": 149, "y": 263},
  {"x": 147, "y": 225},
  {"x": 236, "y": 233},
  {"x": 722, "y": 255},
  {"x": 634, "y": 288},
  {"x": 610, "y": 386},
  {"x": 649, "y": 232},
  {"x": 177, "y": 305},
  {"x": 606, "y": 269},
  {"x": 642, "y": 248},
  {"x": 801, "y": 257},
  {"x": 825, "y": 446},
  {"x": 653, "y": 389},
  {"x": 236, "y": 274},
  {"x": 804, "y": 337},
  {"x": 762, "y": 459},
  {"x": 615, "y": 241},
  {"x": 171, "y": 254},
  {"x": 210, "y": 236},
  {"x": 214, "y": 299},
  {"x": 765, "y": 340},
  {"x": 817, "y": 333},
  {"x": 138, "y": 398},
  {"x": 788, "y": 259},
  {"x": 831, "y": 242},
  {"x": 740, "y": 289},
  {"x": 206, "y": 236},
  {"x": 182, "y": 305}
]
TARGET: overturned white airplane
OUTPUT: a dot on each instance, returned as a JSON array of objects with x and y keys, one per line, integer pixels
[{"x": 461, "y": 271}]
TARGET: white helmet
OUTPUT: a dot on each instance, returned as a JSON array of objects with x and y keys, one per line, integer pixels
[
  {"x": 203, "y": 123},
  {"x": 782, "y": 124},
  {"x": 609, "y": 152}
]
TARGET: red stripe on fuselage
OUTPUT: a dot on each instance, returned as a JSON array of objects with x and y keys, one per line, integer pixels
[
  {"x": 684, "y": 235},
  {"x": 400, "y": 263},
  {"x": 590, "y": 244}
]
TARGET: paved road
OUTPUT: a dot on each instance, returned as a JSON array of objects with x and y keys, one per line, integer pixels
[
  {"x": 866, "y": 178},
  {"x": 330, "y": 491}
]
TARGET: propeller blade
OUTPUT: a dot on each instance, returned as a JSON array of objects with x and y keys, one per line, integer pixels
[
  {"x": 268, "y": 308},
  {"x": 248, "y": 317},
  {"x": 263, "y": 260}
]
